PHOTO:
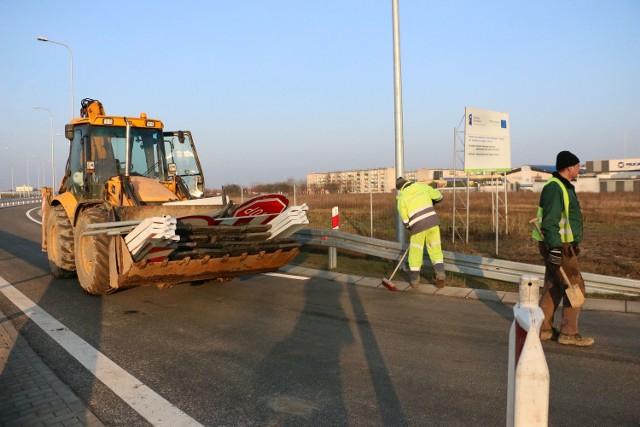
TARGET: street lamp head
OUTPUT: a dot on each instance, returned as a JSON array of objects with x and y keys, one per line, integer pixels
[{"x": 44, "y": 39}]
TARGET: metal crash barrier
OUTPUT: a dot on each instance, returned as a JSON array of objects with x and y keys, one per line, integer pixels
[
  {"x": 455, "y": 262},
  {"x": 16, "y": 201}
]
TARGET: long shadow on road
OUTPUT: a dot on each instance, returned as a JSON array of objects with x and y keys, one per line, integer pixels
[{"x": 301, "y": 381}]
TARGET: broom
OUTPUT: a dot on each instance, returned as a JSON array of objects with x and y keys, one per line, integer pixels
[{"x": 387, "y": 282}]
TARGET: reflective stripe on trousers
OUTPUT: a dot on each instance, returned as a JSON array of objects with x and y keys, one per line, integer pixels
[{"x": 429, "y": 238}]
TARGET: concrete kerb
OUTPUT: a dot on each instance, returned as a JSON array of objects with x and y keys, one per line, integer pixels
[
  {"x": 450, "y": 291},
  {"x": 604, "y": 305},
  {"x": 633, "y": 307}
]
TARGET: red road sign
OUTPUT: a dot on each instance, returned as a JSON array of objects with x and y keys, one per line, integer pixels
[{"x": 262, "y": 205}]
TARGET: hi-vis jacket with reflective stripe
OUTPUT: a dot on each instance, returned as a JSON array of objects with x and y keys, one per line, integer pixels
[
  {"x": 415, "y": 206},
  {"x": 559, "y": 214}
]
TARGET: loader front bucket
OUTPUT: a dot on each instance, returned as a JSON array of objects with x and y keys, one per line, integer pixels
[
  {"x": 125, "y": 273},
  {"x": 203, "y": 249}
]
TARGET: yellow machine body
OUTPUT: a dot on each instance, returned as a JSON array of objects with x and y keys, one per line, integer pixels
[{"x": 124, "y": 170}]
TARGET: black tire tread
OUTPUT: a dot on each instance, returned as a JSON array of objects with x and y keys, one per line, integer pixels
[
  {"x": 94, "y": 280},
  {"x": 60, "y": 244}
]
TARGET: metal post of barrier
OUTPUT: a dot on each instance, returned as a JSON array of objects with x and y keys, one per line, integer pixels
[
  {"x": 335, "y": 224},
  {"x": 528, "y": 383}
]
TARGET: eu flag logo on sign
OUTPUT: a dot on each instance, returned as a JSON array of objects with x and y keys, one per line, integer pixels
[{"x": 503, "y": 124}]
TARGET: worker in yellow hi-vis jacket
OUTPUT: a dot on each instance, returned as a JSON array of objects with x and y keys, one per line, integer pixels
[{"x": 416, "y": 208}]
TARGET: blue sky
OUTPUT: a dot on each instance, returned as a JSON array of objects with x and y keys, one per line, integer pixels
[{"x": 274, "y": 90}]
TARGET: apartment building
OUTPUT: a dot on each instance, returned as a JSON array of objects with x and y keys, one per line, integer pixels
[{"x": 379, "y": 180}]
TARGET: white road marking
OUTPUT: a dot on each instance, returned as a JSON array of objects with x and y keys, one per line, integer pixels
[
  {"x": 286, "y": 276},
  {"x": 150, "y": 405},
  {"x": 32, "y": 218}
]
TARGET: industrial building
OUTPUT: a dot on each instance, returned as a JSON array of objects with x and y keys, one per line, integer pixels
[{"x": 621, "y": 175}]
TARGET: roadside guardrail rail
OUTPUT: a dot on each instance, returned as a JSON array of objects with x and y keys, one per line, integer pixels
[
  {"x": 497, "y": 269},
  {"x": 473, "y": 265},
  {"x": 15, "y": 201}
]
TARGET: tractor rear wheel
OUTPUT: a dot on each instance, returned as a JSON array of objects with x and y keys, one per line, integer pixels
[
  {"x": 92, "y": 253},
  {"x": 59, "y": 235}
]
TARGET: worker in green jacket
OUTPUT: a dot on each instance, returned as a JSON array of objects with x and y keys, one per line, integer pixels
[
  {"x": 416, "y": 208},
  {"x": 560, "y": 220}
]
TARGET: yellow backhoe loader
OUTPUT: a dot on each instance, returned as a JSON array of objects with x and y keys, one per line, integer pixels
[{"x": 130, "y": 211}]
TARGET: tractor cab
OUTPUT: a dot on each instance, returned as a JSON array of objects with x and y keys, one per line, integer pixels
[
  {"x": 181, "y": 152},
  {"x": 132, "y": 152}
]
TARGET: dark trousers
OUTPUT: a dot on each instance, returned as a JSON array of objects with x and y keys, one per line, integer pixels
[{"x": 554, "y": 286}]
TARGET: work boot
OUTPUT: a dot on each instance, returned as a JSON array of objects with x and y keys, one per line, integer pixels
[
  {"x": 440, "y": 279},
  {"x": 551, "y": 334},
  {"x": 414, "y": 278},
  {"x": 577, "y": 340}
]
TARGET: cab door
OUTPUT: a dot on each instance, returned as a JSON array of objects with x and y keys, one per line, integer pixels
[{"x": 181, "y": 151}]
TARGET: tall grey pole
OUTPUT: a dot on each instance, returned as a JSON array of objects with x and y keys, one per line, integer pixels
[
  {"x": 397, "y": 90},
  {"x": 453, "y": 216},
  {"x": 53, "y": 167},
  {"x": 44, "y": 39}
]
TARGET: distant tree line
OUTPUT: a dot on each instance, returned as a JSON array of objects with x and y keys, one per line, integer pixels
[{"x": 283, "y": 187}]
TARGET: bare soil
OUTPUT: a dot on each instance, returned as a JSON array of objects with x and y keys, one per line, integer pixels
[{"x": 611, "y": 244}]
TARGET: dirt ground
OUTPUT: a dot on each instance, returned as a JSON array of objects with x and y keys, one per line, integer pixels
[{"x": 611, "y": 244}]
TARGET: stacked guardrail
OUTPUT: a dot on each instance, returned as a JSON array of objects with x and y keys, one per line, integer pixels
[
  {"x": 293, "y": 219},
  {"x": 153, "y": 238}
]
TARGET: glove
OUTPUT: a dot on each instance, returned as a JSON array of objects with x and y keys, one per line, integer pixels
[{"x": 555, "y": 256}]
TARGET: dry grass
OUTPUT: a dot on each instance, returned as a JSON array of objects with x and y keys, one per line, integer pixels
[{"x": 611, "y": 238}]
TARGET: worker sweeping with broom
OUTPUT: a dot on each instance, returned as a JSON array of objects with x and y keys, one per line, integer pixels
[{"x": 416, "y": 208}]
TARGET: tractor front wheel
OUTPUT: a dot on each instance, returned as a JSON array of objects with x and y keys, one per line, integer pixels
[
  {"x": 92, "y": 252},
  {"x": 60, "y": 252}
]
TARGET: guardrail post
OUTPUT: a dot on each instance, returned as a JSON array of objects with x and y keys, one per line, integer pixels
[
  {"x": 528, "y": 383},
  {"x": 335, "y": 225}
]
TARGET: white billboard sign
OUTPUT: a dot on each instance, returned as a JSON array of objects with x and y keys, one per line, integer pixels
[
  {"x": 620, "y": 165},
  {"x": 487, "y": 141}
]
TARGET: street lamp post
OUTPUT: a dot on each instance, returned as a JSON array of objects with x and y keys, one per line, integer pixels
[
  {"x": 12, "y": 188},
  {"x": 397, "y": 90},
  {"x": 28, "y": 180},
  {"x": 44, "y": 39},
  {"x": 53, "y": 168}
]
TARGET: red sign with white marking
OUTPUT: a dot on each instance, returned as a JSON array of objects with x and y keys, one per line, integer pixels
[{"x": 262, "y": 205}]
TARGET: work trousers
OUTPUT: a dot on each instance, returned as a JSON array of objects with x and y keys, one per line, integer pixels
[
  {"x": 431, "y": 239},
  {"x": 554, "y": 290}
]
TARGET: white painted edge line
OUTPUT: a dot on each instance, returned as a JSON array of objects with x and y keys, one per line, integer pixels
[
  {"x": 32, "y": 218},
  {"x": 150, "y": 405},
  {"x": 286, "y": 276}
]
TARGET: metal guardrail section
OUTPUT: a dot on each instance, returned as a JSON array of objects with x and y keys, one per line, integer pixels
[
  {"x": 507, "y": 271},
  {"x": 19, "y": 201}
]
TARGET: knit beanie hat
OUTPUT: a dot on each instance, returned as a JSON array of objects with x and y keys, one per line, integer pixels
[
  {"x": 566, "y": 159},
  {"x": 400, "y": 182}
]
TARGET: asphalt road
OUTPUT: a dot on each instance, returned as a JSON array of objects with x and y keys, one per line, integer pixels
[{"x": 263, "y": 350}]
